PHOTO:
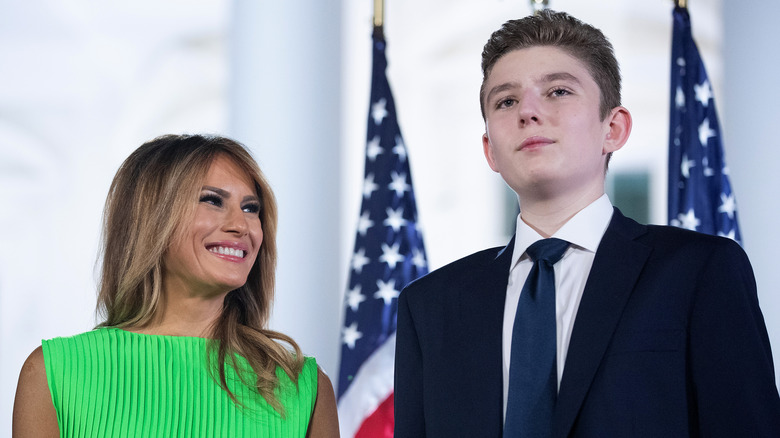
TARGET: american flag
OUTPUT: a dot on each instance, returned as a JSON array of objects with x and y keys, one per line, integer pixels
[
  {"x": 389, "y": 253},
  {"x": 700, "y": 196}
]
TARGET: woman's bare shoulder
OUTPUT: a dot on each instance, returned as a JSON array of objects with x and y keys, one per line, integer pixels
[{"x": 34, "y": 414}]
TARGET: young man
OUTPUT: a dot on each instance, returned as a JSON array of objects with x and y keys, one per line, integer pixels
[{"x": 656, "y": 331}]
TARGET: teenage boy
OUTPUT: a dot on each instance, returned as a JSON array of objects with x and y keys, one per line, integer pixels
[{"x": 652, "y": 331}]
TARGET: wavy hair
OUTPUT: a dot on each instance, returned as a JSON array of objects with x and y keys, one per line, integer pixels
[{"x": 150, "y": 202}]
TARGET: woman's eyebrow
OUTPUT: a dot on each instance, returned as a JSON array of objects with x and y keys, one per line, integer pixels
[{"x": 220, "y": 192}]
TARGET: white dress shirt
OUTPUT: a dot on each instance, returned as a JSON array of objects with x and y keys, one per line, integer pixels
[{"x": 584, "y": 231}]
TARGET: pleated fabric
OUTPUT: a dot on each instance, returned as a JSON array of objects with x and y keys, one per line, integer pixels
[{"x": 113, "y": 383}]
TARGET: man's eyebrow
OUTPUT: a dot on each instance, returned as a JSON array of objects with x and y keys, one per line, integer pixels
[
  {"x": 500, "y": 88},
  {"x": 560, "y": 76},
  {"x": 225, "y": 194}
]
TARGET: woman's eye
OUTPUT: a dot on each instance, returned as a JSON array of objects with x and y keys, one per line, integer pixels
[
  {"x": 211, "y": 199},
  {"x": 251, "y": 208}
]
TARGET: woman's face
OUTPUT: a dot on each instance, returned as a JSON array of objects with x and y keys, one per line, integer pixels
[{"x": 220, "y": 246}]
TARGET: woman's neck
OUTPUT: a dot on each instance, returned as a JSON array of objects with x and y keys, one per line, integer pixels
[{"x": 183, "y": 315}]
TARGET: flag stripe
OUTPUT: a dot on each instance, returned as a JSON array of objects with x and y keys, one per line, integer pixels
[
  {"x": 371, "y": 386},
  {"x": 380, "y": 423}
]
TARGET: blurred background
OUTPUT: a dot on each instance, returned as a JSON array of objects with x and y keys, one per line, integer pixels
[{"x": 84, "y": 82}]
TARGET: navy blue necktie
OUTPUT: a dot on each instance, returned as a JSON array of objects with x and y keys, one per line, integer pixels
[{"x": 533, "y": 374}]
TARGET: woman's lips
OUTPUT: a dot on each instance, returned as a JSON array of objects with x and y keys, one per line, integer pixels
[{"x": 228, "y": 250}]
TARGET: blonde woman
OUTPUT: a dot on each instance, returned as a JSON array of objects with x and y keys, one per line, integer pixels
[{"x": 188, "y": 262}]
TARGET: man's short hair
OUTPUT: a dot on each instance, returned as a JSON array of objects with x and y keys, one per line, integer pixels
[{"x": 561, "y": 30}]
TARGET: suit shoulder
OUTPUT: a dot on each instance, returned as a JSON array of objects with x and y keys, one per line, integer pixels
[
  {"x": 682, "y": 239},
  {"x": 456, "y": 271}
]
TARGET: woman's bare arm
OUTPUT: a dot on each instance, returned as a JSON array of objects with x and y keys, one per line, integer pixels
[
  {"x": 324, "y": 419},
  {"x": 34, "y": 414}
]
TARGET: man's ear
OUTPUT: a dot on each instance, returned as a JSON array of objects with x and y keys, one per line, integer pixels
[
  {"x": 618, "y": 129},
  {"x": 487, "y": 148}
]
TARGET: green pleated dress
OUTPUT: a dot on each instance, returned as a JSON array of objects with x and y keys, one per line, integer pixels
[{"x": 113, "y": 383}]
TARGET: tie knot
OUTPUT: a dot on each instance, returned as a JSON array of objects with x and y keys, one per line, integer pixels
[{"x": 549, "y": 250}]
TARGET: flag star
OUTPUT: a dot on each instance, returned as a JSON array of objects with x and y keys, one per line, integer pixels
[
  {"x": 728, "y": 204},
  {"x": 369, "y": 186},
  {"x": 689, "y": 221},
  {"x": 703, "y": 92},
  {"x": 685, "y": 166},
  {"x": 373, "y": 149},
  {"x": 731, "y": 234},
  {"x": 379, "y": 111},
  {"x": 399, "y": 148},
  {"x": 708, "y": 171},
  {"x": 364, "y": 223},
  {"x": 399, "y": 184},
  {"x": 359, "y": 260},
  {"x": 354, "y": 298},
  {"x": 705, "y": 132},
  {"x": 679, "y": 98},
  {"x": 681, "y": 61},
  {"x": 387, "y": 291},
  {"x": 390, "y": 255},
  {"x": 395, "y": 219},
  {"x": 351, "y": 335},
  {"x": 418, "y": 259}
]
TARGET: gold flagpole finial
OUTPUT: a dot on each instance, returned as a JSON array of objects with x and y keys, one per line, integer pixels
[
  {"x": 538, "y": 5},
  {"x": 379, "y": 13},
  {"x": 681, "y": 3}
]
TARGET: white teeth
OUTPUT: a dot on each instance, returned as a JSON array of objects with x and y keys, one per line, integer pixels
[{"x": 227, "y": 251}]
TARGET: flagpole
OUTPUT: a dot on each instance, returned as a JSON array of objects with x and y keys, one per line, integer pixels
[
  {"x": 379, "y": 18},
  {"x": 538, "y": 5}
]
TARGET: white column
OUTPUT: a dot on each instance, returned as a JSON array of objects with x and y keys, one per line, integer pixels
[
  {"x": 284, "y": 105},
  {"x": 752, "y": 145}
]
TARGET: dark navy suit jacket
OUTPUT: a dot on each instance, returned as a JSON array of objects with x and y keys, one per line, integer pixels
[{"x": 668, "y": 341}]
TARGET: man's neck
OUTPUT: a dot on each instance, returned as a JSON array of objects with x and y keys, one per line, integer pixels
[{"x": 547, "y": 215}]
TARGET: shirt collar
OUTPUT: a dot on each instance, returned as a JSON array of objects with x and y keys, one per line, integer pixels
[{"x": 584, "y": 230}]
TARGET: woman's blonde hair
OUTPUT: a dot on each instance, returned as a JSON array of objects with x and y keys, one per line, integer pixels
[{"x": 150, "y": 202}]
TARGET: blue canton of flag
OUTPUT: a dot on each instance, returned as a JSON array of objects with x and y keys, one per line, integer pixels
[
  {"x": 389, "y": 253},
  {"x": 700, "y": 196}
]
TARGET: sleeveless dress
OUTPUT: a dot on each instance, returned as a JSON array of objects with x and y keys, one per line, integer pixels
[{"x": 113, "y": 383}]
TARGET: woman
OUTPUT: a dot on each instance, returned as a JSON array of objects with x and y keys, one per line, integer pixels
[{"x": 189, "y": 256}]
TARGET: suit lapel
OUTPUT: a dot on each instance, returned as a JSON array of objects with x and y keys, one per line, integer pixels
[
  {"x": 616, "y": 267},
  {"x": 482, "y": 312}
]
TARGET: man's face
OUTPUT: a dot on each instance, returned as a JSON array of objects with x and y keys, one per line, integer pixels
[{"x": 543, "y": 132}]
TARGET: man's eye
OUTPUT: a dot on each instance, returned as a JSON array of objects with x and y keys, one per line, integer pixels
[
  {"x": 211, "y": 199},
  {"x": 506, "y": 103},
  {"x": 560, "y": 92}
]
